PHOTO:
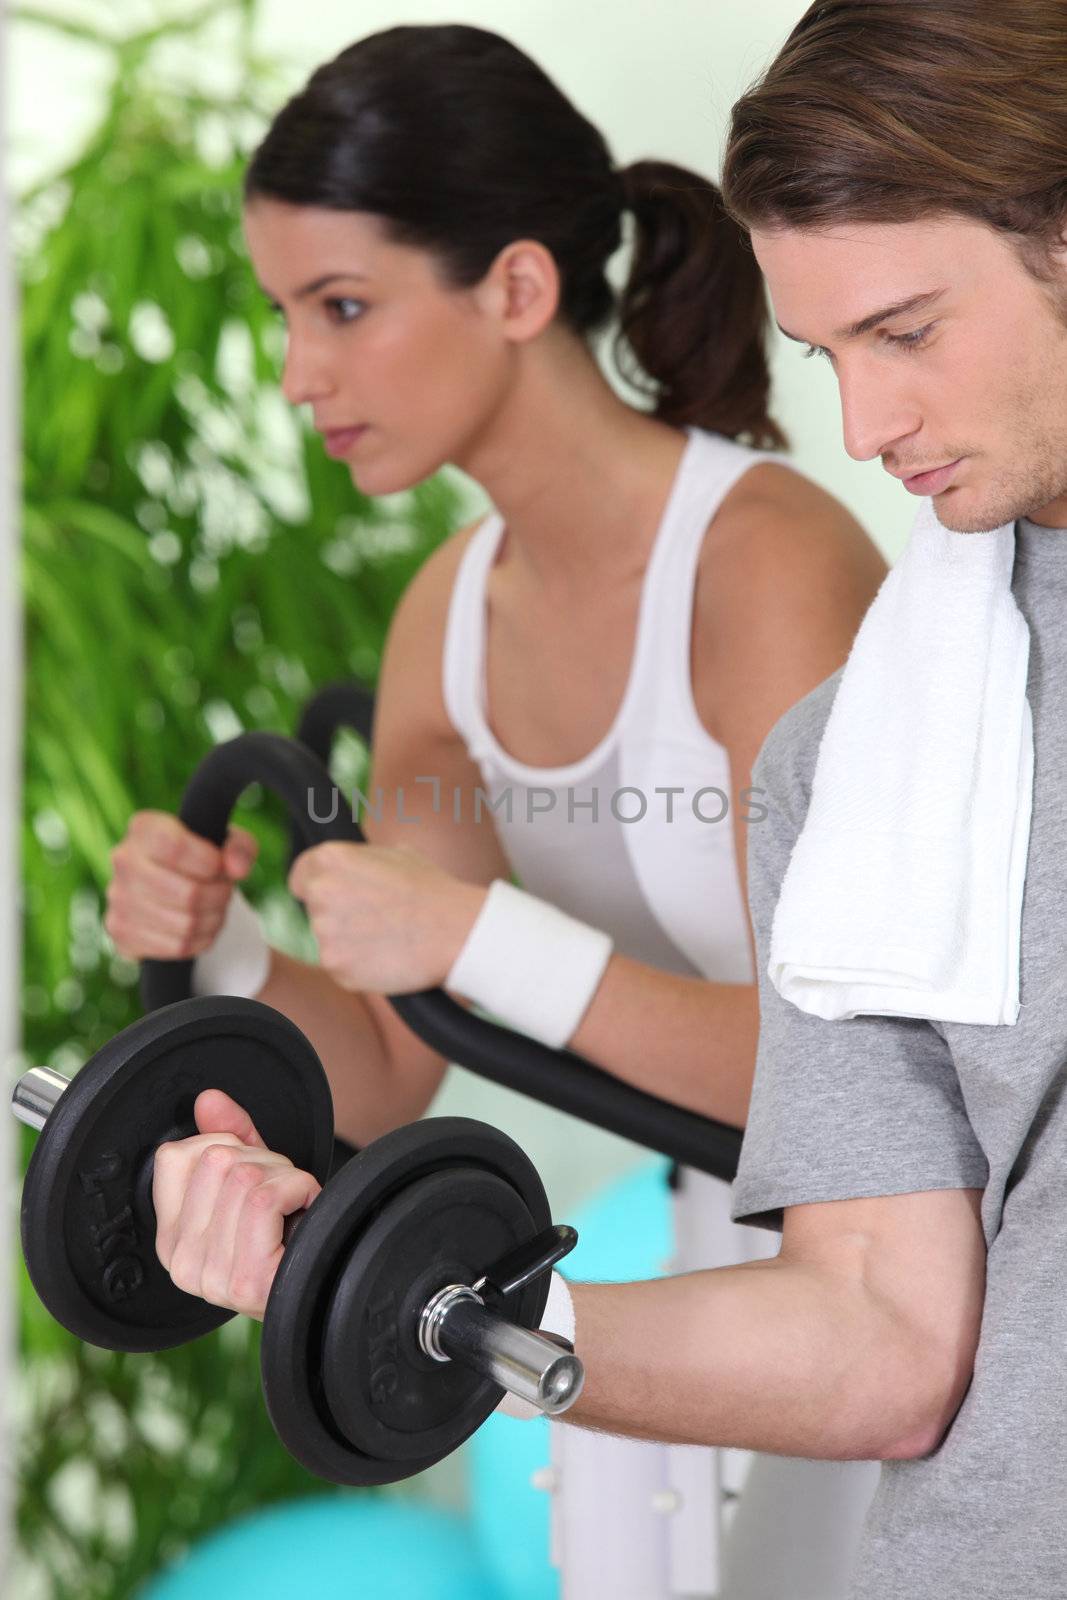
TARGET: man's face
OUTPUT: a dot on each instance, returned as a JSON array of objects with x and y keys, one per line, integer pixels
[{"x": 971, "y": 378}]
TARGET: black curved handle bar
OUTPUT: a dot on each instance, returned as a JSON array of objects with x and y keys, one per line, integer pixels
[
  {"x": 559, "y": 1078},
  {"x": 344, "y": 704}
]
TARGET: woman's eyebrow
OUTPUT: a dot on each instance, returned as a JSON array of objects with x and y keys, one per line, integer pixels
[{"x": 320, "y": 283}]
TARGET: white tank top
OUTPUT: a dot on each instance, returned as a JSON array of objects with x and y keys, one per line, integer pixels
[{"x": 637, "y": 837}]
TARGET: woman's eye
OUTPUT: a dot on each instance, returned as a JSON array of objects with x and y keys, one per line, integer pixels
[
  {"x": 342, "y": 309},
  {"x": 345, "y": 309}
]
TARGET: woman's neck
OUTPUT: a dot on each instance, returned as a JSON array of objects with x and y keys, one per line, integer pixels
[{"x": 578, "y": 476}]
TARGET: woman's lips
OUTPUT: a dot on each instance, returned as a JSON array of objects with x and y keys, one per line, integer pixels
[{"x": 339, "y": 441}]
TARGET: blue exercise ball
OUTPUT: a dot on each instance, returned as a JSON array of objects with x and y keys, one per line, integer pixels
[
  {"x": 332, "y": 1546},
  {"x": 624, "y": 1234}
]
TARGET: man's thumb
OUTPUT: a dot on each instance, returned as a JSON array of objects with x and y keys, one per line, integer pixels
[{"x": 215, "y": 1112}]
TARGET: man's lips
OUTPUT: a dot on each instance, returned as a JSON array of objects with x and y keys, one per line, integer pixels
[{"x": 931, "y": 480}]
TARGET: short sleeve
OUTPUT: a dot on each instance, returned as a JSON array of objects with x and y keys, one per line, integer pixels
[{"x": 843, "y": 1109}]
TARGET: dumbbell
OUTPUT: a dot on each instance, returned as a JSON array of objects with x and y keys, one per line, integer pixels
[
  {"x": 87, "y": 1220},
  {"x": 406, "y": 1302},
  {"x": 408, "y": 1292}
]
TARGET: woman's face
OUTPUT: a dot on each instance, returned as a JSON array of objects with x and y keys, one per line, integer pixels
[{"x": 378, "y": 342}]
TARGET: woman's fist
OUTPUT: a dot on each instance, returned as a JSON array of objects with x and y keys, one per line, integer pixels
[
  {"x": 170, "y": 888},
  {"x": 386, "y": 919}
]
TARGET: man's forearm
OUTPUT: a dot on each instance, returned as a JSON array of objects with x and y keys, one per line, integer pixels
[{"x": 772, "y": 1355}]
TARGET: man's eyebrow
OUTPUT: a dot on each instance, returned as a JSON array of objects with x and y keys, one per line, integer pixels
[
  {"x": 915, "y": 302},
  {"x": 320, "y": 283}
]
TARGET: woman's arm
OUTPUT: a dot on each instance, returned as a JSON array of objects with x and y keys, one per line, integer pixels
[
  {"x": 785, "y": 580},
  {"x": 381, "y": 1075}
]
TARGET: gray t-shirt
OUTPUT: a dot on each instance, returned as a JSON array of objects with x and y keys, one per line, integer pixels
[{"x": 892, "y": 1105}]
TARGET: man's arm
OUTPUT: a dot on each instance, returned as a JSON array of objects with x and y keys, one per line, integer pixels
[{"x": 856, "y": 1342}]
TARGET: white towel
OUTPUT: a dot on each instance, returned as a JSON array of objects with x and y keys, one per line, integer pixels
[{"x": 903, "y": 894}]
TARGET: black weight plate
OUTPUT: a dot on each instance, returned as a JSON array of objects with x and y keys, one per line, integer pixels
[
  {"x": 88, "y": 1227},
  {"x": 386, "y": 1395},
  {"x": 291, "y": 1352}
]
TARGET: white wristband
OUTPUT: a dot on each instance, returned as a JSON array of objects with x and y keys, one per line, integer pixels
[
  {"x": 530, "y": 964},
  {"x": 238, "y": 962},
  {"x": 558, "y": 1318}
]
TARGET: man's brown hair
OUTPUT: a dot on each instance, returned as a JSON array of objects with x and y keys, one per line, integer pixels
[{"x": 892, "y": 110}]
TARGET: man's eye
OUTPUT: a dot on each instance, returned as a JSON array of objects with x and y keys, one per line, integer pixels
[
  {"x": 902, "y": 341},
  {"x": 911, "y": 341}
]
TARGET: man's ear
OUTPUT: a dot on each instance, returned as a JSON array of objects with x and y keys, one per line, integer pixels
[{"x": 1059, "y": 248}]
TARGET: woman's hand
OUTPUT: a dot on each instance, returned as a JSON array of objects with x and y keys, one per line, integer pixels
[
  {"x": 221, "y": 1199},
  {"x": 170, "y": 888},
  {"x": 387, "y": 919}
]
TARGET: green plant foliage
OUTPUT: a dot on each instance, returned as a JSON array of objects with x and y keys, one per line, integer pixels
[{"x": 194, "y": 565}]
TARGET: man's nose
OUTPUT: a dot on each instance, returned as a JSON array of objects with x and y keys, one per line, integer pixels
[{"x": 876, "y": 413}]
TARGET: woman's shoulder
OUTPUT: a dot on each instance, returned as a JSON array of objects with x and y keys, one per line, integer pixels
[
  {"x": 783, "y": 585},
  {"x": 426, "y": 599},
  {"x": 776, "y": 520},
  {"x": 410, "y": 691}
]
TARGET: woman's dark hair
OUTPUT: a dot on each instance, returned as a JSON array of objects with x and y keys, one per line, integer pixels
[{"x": 461, "y": 144}]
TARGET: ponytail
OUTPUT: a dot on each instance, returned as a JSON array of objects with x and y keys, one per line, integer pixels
[{"x": 693, "y": 312}]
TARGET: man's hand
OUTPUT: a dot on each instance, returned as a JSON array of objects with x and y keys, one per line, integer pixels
[{"x": 221, "y": 1200}]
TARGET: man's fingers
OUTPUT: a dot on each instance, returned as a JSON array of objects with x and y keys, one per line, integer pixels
[
  {"x": 176, "y": 1164},
  {"x": 216, "y": 1112},
  {"x": 257, "y": 1244}
]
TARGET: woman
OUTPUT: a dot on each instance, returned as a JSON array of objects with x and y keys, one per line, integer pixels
[{"x": 586, "y": 675}]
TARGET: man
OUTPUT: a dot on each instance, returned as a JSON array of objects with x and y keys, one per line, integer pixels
[
  {"x": 908, "y": 208},
  {"x": 902, "y": 168}
]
